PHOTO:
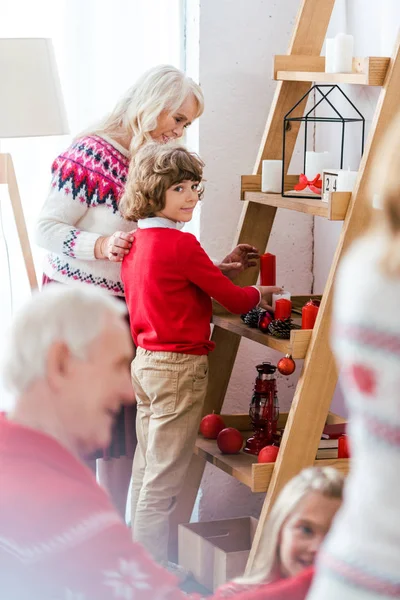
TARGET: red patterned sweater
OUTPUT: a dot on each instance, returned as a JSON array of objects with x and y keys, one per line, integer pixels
[
  {"x": 60, "y": 537},
  {"x": 87, "y": 182}
]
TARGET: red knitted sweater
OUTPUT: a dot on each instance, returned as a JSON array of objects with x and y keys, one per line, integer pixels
[{"x": 60, "y": 537}]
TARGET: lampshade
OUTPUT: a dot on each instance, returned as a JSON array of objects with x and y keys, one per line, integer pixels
[{"x": 31, "y": 102}]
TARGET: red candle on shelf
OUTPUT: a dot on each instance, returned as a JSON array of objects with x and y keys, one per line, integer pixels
[
  {"x": 268, "y": 269},
  {"x": 309, "y": 314},
  {"x": 343, "y": 447},
  {"x": 283, "y": 309}
]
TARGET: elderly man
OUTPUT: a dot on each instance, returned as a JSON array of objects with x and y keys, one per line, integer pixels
[{"x": 68, "y": 364}]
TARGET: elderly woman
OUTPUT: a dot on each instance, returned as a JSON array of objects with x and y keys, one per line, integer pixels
[{"x": 83, "y": 231}]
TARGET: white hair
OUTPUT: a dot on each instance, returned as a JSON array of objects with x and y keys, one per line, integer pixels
[
  {"x": 160, "y": 88},
  {"x": 74, "y": 314}
]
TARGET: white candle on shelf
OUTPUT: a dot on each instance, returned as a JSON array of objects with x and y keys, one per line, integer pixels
[
  {"x": 271, "y": 180},
  {"x": 275, "y": 297},
  {"x": 329, "y": 55},
  {"x": 346, "y": 180},
  {"x": 316, "y": 162},
  {"x": 343, "y": 53}
]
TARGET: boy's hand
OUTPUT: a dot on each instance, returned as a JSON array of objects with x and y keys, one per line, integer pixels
[
  {"x": 241, "y": 258},
  {"x": 266, "y": 295}
]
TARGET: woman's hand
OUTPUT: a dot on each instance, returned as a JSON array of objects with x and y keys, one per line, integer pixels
[
  {"x": 266, "y": 295},
  {"x": 241, "y": 258},
  {"x": 114, "y": 247}
]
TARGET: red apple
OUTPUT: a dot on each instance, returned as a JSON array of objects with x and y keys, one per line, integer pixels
[
  {"x": 211, "y": 425},
  {"x": 230, "y": 441},
  {"x": 268, "y": 454}
]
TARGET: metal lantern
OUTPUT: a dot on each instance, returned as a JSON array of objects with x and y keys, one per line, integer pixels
[
  {"x": 325, "y": 92},
  {"x": 264, "y": 409}
]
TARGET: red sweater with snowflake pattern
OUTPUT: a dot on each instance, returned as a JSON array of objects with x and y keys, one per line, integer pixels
[
  {"x": 169, "y": 281},
  {"x": 60, "y": 536}
]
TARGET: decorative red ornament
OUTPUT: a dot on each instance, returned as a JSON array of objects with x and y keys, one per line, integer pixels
[
  {"x": 286, "y": 365},
  {"x": 343, "y": 447},
  {"x": 230, "y": 441},
  {"x": 268, "y": 454},
  {"x": 265, "y": 319},
  {"x": 309, "y": 314},
  {"x": 315, "y": 185},
  {"x": 211, "y": 425},
  {"x": 283, "y": 309},
  {"x": 268, "y": 269}
]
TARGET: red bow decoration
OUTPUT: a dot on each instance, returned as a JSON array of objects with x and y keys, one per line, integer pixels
[{"x": 315, "y": 185}]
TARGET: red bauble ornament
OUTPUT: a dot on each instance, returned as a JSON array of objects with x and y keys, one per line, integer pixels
[
  {"x": 268, "y": 454},
  {"x": 230, "y": 441},
  {"x": 265, "y": 319},
  {"x": 286, "y": 366},
  {"x": 211, "y": 425}
]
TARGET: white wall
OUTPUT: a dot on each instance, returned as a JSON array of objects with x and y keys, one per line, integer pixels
[
  {"x": 237, "y": 42},
  {"x": 374, "y": 26}
]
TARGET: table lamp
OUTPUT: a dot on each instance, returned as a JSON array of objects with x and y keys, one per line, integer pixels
[{"x": 31, "y": 104}]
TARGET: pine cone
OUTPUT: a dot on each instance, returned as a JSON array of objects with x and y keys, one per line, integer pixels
[
  {"x": 252, "y": 317},
  {"x": 280, "y": 328}
]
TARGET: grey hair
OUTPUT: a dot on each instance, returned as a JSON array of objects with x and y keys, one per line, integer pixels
[
  {"x": 75, "y": 314},
  {"x": 326, "y": 480},
  {"x": 161, "y": 88}
]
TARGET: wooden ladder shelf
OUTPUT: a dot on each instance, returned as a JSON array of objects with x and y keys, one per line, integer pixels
[{"x": 309, "y": 411}]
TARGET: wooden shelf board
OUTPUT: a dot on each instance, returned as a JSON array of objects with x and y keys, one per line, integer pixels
[
  {"x": 296, "y": 346},
  {"x": 334, "y": 210},
  {"x": 246, "y": 469},
  {"x": 238, "y": 466},
  {"x": 370, "y": 70},
  {"x": 318, "y": 77},
  {"x": 262, "y": 473}
]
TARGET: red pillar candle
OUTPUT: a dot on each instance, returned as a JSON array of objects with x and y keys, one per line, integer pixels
[
  {"x": 309, "y": 314},
  {"x": 268, "y": 269},
  {"x": 283, "y": 309},
  {"x": 343, "y": 447}
]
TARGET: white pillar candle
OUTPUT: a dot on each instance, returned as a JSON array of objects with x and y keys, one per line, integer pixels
[
  {"x": 343, "y": 53},
  {"x": 275, "y": 297},
  {"x": 316, "y": 162},
  {"x": 271, "y": 180},
  {"x": 346, "y": 181},
  {"x": 329, "y": 55}
]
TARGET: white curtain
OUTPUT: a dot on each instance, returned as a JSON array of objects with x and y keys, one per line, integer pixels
[{"x": 101, "y": 49}]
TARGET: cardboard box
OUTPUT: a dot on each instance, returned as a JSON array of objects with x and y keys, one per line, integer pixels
[{"x": 216, "y": 551}]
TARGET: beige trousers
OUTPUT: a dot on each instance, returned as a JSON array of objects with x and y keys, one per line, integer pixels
[{"x": 170, "y": 390}]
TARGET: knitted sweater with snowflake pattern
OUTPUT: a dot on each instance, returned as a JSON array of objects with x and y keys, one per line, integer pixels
[
  {"x": 361, "y": 557},
  {"x": 60, "y": 536},
  {"x": 87, "y": 182}
]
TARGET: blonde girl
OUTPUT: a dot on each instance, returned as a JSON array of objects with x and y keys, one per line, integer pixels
[{"x": 296, "y": 527}]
